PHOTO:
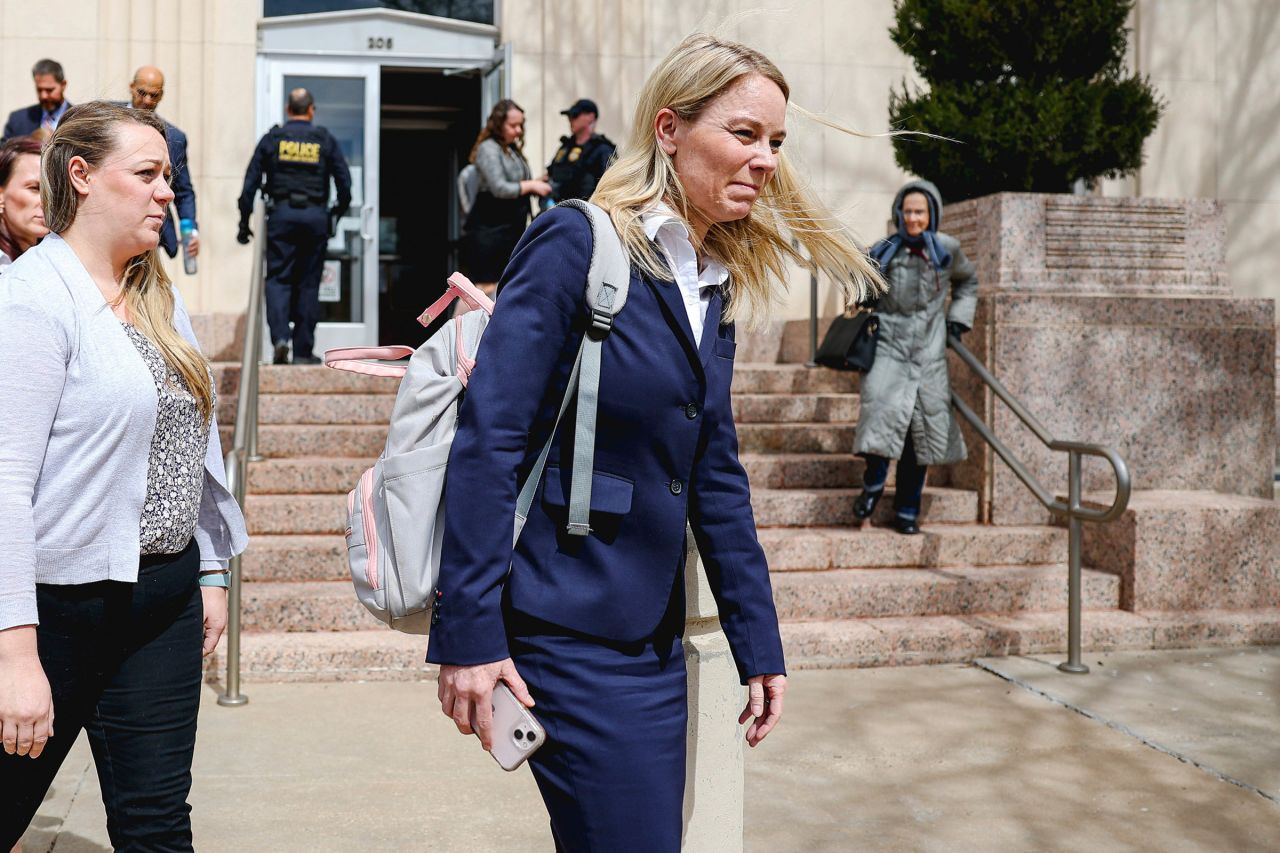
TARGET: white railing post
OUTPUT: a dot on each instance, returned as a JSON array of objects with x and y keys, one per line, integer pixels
[{"x": 713, "y": 793}]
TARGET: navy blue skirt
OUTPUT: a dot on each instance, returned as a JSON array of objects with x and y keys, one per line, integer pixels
[{"x": 612, "y": 771}]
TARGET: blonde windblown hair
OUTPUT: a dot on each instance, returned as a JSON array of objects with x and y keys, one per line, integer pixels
[
  {"x": 757, "y": 248},
  {"x": 89, "y": 130}
]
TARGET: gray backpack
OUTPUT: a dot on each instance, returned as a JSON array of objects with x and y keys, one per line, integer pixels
[
  {"x": 468, "y": 188},
  {"x": 395, "y": 531}
]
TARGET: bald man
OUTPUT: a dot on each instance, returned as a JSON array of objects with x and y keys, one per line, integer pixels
[{"x": 145, "y": 93}]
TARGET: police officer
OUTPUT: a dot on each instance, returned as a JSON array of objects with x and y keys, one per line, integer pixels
[
  {"x": 297, "y": 161},
  {"x": 583, "y": 154}
]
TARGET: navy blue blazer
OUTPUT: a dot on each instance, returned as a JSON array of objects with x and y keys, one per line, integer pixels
[
  {"x": 24, "y": 122},
  {"x": 666, "y": 452},
  {"x": 184, "y": 194}
]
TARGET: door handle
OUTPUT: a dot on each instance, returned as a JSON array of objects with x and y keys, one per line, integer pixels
[{"x": 366, "y": 213}]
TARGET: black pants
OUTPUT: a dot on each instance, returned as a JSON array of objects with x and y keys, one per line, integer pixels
[
  {"x": 911, "y": 474},
  {"x": 296, "y": 237},
  {"x": 124, "y": 664}
]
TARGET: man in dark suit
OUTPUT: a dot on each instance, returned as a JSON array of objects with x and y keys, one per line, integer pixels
[
  {"x": 51, "y": 83},
  {"x": 145, "y": 93}
]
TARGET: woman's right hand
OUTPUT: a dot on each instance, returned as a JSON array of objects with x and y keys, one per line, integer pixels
[
  {"x": 466, "y": 695},
  {"x": 26, "y": 704},
  {"x": 538, "y": 188}
]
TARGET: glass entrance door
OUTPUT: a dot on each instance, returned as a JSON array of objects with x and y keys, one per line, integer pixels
[{"x": 347, "y": 99}]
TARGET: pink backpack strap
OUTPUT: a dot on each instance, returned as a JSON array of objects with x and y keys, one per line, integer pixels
[
  {"x": 353, "y": 360},
  {"x": 459, "y": 287}
]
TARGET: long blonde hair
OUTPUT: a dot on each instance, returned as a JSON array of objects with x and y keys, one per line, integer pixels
[
  {"x": 756, "y": 249},
  {"x": 89, "y": 130}
]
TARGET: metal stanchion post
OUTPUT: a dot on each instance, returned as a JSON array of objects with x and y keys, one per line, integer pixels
[
  {"x": 231, "y": 695},
  {"x": 1074, "y": 546},
  {"x": 813, "y": 320},
  {"x": 244, "y": 447}
]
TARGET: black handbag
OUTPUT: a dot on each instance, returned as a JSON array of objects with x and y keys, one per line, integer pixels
[{"x": 850, "y": 343}]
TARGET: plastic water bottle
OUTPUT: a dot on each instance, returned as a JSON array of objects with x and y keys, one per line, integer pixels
[{"x": 187, "y": 227}]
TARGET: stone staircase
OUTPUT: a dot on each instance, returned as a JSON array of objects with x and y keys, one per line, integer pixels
[{"x": 847, "y": 595}]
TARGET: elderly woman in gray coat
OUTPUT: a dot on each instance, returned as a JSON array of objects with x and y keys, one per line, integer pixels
[{"x": 906, "y": 396}]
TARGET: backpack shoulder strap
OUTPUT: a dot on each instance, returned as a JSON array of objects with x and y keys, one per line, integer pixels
[
  {"x": 609, "y": 277},
  {"x": 608, "y": 280}
]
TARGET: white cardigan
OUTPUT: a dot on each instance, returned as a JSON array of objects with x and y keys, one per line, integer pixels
[{"x": 77, "y": 416}]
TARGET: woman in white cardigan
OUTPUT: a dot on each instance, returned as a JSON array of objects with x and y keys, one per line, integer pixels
[{"x": 115, "y": 524}]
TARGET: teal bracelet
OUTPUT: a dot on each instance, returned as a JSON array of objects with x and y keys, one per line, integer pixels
[{"x": 222, "y": 579}]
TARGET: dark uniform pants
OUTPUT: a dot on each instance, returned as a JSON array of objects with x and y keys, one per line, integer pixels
[
  {"x": 296, "y": 238},
  {"x": 123, "y": 662}
]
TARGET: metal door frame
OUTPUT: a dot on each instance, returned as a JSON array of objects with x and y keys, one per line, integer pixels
[{"x": 363, "y": 213}]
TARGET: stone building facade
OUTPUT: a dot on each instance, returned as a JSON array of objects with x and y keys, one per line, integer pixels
[{"x": 1214, "y": 61}]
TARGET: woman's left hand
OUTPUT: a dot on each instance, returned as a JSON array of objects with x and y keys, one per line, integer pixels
[
  {"x": 764, "y": 702},
  {"x": 215, "y": 615}
]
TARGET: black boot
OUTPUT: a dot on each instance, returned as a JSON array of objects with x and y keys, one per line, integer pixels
[
  {"x": 906, "y": 526},
  {"x": 281, "y": 354},
  {"x": 865, "y": 503}
]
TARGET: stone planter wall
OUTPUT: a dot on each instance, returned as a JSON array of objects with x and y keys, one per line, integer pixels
[{"x": 1113, "y": 321}]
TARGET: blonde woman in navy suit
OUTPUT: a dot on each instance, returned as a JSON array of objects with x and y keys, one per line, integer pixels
[{"x": 586, "y": 630}]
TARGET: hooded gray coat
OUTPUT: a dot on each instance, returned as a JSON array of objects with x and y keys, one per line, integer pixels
[{"x": 908, "y": 388}]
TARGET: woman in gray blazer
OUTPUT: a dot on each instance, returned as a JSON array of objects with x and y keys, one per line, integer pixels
[
  {"x": 115, "y": 524},
  {"x": 500, "y": 213}
]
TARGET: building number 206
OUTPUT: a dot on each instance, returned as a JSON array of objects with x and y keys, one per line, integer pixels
[{"x": 379, "y": 43}]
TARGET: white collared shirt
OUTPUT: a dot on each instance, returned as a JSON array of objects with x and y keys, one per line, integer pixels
[{"x": 662, "y": 225}]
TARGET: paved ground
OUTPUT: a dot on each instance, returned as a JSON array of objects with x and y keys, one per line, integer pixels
[{"x": 1169, "y": 751}]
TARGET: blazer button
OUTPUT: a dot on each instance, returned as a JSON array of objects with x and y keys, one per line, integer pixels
[
  {"x": 676, "y": 487},
  {"x": 691, "y": 411}
]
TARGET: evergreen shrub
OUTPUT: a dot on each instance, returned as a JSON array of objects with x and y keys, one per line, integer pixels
[{"x": 1035, "y": 93}]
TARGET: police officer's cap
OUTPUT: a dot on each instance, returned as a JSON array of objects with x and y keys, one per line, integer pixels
[{"x": 580, "y": 106}]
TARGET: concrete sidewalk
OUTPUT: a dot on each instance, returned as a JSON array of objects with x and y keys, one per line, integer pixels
[{"x": 1170, "y": 751}]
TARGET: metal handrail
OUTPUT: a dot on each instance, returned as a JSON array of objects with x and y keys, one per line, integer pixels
[
  {"x": 244, "y": 448},
  {"x": 1072, "y": 509}
]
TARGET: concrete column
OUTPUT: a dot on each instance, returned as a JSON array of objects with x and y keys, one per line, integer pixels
[{"x": 713, "y": 794}]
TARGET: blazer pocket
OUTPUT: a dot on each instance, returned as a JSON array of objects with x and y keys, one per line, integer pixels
[
  {"x": 609, "y": 493},
  {"x": 725, "y": 348}
]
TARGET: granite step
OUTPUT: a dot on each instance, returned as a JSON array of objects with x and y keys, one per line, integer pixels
[
  {"x": 748, "y": 378},
  {"x": 910, "y": 640},
  {"x": 873, "y": 593},
  {"x": 762, "y": 378},
  {"x": 351, "y": 441},
  {"x": 288, "y": 514},
  {"x": 303, "y": 379},
  {"x": 829, "y": 595},
  {"x": 296, "y": 557},
  {"x": 325, "y": 409},
  {"x": 323, "y": 556},
  {"x": 936, "y": 546},
  {"x": 804, "y": 470},
  {"x": 368, "y": 654},
  {"x": 312, "y": 474},
  {"x": 306, "y": 475},
  {"x": 327, "y": 513},
  {"x": 795, "y": 438},
  {"x": 832, "y": 507},
  {"x": 795, "y": 408},
  {"x": 304, "y": 606},
  {"x": 380, "y": 654}
]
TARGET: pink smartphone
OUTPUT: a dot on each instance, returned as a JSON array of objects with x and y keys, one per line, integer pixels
[{"x": 516, "y": 733}]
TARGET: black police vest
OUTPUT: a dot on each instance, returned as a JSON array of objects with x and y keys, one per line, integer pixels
[
  {"x": 569, "y": 166},
  {"x": 299, "y": 170}
]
